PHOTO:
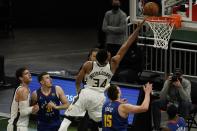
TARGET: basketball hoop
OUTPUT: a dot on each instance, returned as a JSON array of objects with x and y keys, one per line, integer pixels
[{"x": 162, "y": 28}]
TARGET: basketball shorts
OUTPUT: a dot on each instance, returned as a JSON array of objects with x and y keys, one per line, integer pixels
[{"x": 90, "y": 100}]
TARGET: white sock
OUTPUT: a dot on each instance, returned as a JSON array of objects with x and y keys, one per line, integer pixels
[{"x": 64, "y": 125}]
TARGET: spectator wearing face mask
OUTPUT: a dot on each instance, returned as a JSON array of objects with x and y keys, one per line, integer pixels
[{"x": 114, "y": 26}]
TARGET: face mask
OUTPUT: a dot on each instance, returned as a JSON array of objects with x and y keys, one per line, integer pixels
[{"x": 115, "y": 7}]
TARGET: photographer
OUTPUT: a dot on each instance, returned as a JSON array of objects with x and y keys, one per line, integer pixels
[{"x": 176, "y": 91}]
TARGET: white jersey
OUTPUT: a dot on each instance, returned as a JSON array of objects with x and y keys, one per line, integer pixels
[
  {"x": 99, "y": 78},
  {"x": 16, "y": 118},
  {"x": 91, "y": 98}
]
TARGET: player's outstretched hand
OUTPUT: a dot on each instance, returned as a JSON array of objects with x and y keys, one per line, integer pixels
[{"x": 147, "y": 88}]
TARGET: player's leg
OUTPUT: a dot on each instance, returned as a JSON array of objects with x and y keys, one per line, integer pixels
[
  {"x": 75, "y": 109},
  {"x": 10, "y": 127},
  {"x": 64, "y": 125},
  {"x": 94, "y": 107},
  {"x": 22, "y": 128}
]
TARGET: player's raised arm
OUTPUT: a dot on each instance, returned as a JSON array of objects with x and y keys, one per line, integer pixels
[{"x": 129, "y": 108}]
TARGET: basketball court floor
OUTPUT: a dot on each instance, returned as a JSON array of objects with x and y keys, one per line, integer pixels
[{"x": 43, "y": 49}]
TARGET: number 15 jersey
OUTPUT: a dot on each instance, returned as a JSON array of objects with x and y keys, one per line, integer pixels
[{"x": 111, "y": 120}]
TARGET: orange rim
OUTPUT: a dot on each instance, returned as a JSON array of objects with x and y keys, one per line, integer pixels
[{"x": 173, "y": 19}]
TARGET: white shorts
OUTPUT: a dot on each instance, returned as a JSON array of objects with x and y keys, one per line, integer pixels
[
  {"x": 90, "y": 100},
  {"x": 10, "y": 127}
]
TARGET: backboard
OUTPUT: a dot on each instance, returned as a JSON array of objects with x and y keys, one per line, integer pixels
[{"x": 186, "y": 8}]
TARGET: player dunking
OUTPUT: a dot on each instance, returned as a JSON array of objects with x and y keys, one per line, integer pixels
[
  {"x": 85, "y": 122},
  {"x": 98, "y": 74},
  {"x": 20, "y": 108}
]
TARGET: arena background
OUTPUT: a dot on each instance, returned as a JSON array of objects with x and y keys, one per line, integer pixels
[{"x": 50, "y": 35}]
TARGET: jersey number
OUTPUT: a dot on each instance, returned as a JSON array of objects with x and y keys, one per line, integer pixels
[
  {"x": 49, "y": 109},
  {"x": 108, "y": 120},
  {"x": 97, "y": 83}
]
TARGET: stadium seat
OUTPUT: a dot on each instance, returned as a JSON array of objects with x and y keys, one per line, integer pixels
[{"x": 191, "y": 122}]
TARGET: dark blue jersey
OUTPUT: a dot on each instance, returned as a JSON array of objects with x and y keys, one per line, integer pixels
[
  {"x": 46, "y": 115},
  {"x": 178, "y": 125},
  {"x": 111, "y": 120}
]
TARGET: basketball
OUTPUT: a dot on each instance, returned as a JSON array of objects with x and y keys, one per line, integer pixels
[{"x": 151, "y": 9}]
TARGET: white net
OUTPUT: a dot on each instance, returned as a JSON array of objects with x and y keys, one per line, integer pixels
[{"x": 162, "y": 30}]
